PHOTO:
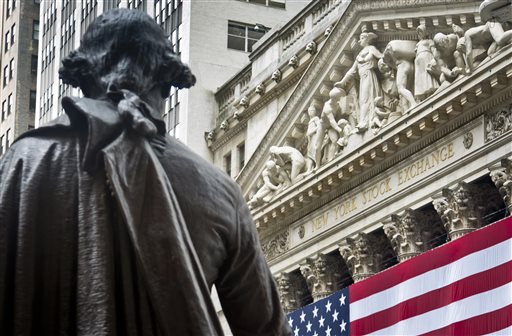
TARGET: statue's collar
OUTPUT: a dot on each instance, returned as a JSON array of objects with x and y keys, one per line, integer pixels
[{"x": 103, "y": 124}]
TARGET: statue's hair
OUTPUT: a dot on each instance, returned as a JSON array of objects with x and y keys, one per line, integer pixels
[{"x": 128, "y": 49}]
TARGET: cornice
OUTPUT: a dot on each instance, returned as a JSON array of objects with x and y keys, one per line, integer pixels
[{"x": 256, "y": 106}]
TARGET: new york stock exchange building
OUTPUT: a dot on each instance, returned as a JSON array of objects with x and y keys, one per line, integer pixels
[{"x": 367, "y": 133}]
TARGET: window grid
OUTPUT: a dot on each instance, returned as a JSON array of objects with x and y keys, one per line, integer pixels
[{"x": 242, "y": 36}]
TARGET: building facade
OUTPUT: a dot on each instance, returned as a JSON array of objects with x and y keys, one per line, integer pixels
[
  {"x": 213, "y": 37},
  {"x": 19, "y": 36},
  {"x": 364, "y": 133}
]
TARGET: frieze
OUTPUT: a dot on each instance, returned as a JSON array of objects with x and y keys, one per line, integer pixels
[
  {"x": 276, "y": 245},
  {"x": 388, "y": 184}
]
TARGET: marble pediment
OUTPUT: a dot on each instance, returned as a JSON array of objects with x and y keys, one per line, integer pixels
[{"x": 371, "y": 137}]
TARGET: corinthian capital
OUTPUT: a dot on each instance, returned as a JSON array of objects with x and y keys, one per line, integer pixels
[
  {"x": 363, "y": 256},
  {"x": 291, "y": 291},
  {"x": 322, "y": 275},
  {"x": 408, "y": 233},
  {"x": 501, "y": 175},
  {"x": 460, "y": 210}
]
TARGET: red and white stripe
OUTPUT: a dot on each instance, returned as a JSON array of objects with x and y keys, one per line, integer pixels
[{"x": 461, "y": 288}]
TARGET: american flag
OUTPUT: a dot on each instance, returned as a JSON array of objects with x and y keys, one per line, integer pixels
[{"x": 461, "y": 288}]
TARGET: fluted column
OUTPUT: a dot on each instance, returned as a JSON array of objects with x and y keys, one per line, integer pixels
[
  {"x": 363, "y": 256},
  {"x": 322, "y": 275},
  {"x": 408, "y": 233},
  {"x": 460, "y": 209}
]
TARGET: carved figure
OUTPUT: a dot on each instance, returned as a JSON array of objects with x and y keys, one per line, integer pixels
[
  {"x": 400, "y": 55},
  {"x": 363, "y": 70},
  {"x": 346, "y": 132},
  {"x": 425, "y": 83},
  {"x": 448, "y": 63},
  {"x": 312, "y": 134},
  {"x": 140, "y": 261},
  {"x": 490, "y": 35},
  {"x": 274, "y": 180},
  {"x": 290, "y": 159},
  {"x": 389, "y": 88},
  {"x": 381, "y": 115},
  {"x": 329, "y": 127}
]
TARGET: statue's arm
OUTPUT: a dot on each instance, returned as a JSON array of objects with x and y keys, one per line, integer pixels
[{"x": 246, "y": 289}]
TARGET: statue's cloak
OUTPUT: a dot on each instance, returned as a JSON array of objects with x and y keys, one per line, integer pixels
[{"x": 104, "y": 231}]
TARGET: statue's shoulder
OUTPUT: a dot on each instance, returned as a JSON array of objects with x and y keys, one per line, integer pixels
[{"x": 187, "y": 170}]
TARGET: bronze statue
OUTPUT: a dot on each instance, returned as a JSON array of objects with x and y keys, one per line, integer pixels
[{"x": 108, "y": 226}]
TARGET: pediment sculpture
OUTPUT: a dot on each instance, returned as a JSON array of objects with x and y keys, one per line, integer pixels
[{"x": 380, "y": 86}]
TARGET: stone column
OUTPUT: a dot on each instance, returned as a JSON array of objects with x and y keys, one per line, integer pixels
[
  {"x": 460, "y": 209},
  {"x": 408, "y": 233},
  {"x": 363, "y": 256},
  {"x": 501, "y": 175},
  {"x": 322, "y": 275},
  {"x": 292, "y": 292}
]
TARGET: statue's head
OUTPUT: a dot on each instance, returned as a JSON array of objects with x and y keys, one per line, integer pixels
[
  {"x": 367, "y": 38},
  {"x": 422, "y": 31},
  {"x": 125, "y": 49}
]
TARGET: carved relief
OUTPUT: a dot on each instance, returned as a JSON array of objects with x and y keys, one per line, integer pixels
[
  {"x": 277, "y": 76},
  {"x": 490, "y": 36},
  {"x": 291, "y": 291},
  {"x": 312, "y": 136},
  {"x": 409, "y": 71},
  {"x": 294, "y": 61},
  {"x": 260, "y": 89},
  {"x": 274, "y": 179},
  {"x": 425, "y": 83},
  {"x": 363, "y": 256},
  {"x": 364, "y": 71},
  {"x": 501, "y": 175},
  {"x": 244, "y": 101},
  {"x": 409, "y": 235},
  {"x": 290, "y": 159},
  {"x": 277, "y": 245},
  {"x": 498, "y": 123},
  {"x": 311, "y": 47},
  {"x": 460, "y": 210},
  {"x": 468, "y": 140},
  {"x": 322, "y": 275},
  {"x": 224, "y": 125}
]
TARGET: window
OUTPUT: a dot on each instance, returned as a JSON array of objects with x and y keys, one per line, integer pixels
[
  {"x": 11, "y": 69},
  {"x": 4, "y": 110},
  {"x": 1, "y": 145},
  {"x": 269, "y": 3},
  {"x": 241, "y": 156},
  {"x": 227, "y": 163},
  {"x": 6, "y": 70},
  {"x": 13, "y": 34},
  {"x": 8, "y": 9},
  {"x": 7, "y": 135},
  {"x": 33, "y": 64},
  {"x": 9, "y": 104},
  {"x": 35, "y": 30},
  {"x": 242, "y": 36},
  {"x": 13, "y": 4},
  {"x": 32, "y": 102},
  {"x": 6, "y": 42}
]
